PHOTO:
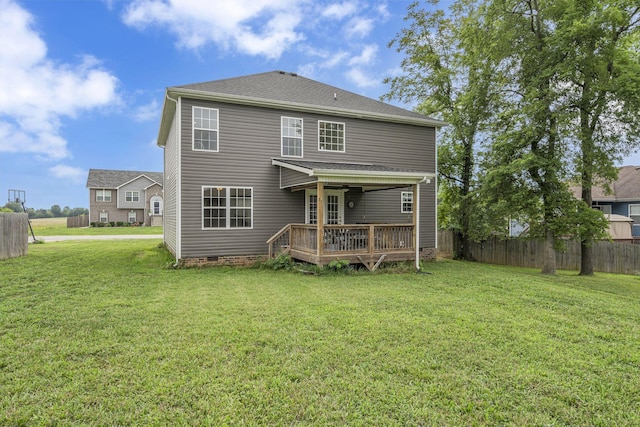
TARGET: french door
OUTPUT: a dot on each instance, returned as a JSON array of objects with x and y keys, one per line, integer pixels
[{"x": 333, "y": 207}]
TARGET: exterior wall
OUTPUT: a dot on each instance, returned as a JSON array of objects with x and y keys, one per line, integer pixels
[
  {"x": 290, "y": 177},
  {"x": 96, "y": 207},
  {"x": 624, "y": 209},
  {"x": 249, "y": 137},
  {"x": 136, "y": 185},
  {"x": 116, "y": 214},
  {"x": 154, "y": 190},
  {"x": 171, "y": 171}
]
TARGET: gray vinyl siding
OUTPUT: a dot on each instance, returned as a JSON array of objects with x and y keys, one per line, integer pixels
[
  {"x": 171, "y": 171},
  {"x": 289, "y": 178},
  {"x": 136, "y": 185},
  {"x": 249, "y": 137}
]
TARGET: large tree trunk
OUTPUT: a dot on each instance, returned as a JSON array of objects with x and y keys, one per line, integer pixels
[
  {"x": 586, "y": 252},
  {"x": 461, "y": 249},
  {"x": 549, "y": 254},
  {"x": 586, "y": 134}
]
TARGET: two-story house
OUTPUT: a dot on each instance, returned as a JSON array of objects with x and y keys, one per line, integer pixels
[
  {"x": 125, "y": 196},
  {"x": 274, "y": 162},
  {"x": 624, "y": 197}
]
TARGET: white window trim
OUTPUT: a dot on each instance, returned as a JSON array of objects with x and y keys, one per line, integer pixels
[
  {"x": 135, "y": 217},
  {"x": 106, "y": 215},
  {"x": 193, "y": 129},
  {"x": 402, "y": 202},
  {"x": 282, "y": 136},
  {"x": 312, "y": 192},
  {"x": 629, "y": 209},
  {"x": 135, "y": 196},
  {"x": 103, "y": 196},
  {"x": 344, "y": 137},
  {"x": 227, "y": 207}
]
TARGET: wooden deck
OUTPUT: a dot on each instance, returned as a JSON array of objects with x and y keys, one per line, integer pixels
[{"x": 368, "y": 244}]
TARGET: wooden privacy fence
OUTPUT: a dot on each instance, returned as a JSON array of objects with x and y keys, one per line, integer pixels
[
  {"x": 78, "y": 221},
  {"x": 14, "y": 235},
  {"x": 608, "y": 257}
]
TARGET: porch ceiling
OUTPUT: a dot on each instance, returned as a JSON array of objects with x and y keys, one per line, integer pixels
[{"x": 355, "y": 174}]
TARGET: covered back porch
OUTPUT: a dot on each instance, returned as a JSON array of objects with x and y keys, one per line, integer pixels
[{"x": 325, "y": 237}]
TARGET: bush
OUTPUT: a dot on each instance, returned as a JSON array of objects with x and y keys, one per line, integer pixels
[{"x": 281, "y": 262}]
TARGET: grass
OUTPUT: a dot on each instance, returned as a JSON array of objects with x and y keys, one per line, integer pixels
[
  {"x": 58, "y": 227},
  {"x": 110, "y": 337}
]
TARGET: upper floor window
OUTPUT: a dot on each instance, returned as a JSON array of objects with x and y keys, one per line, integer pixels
[
  {"x": 132, "y": 196},
  {"x": 205, "y": 129},
  {"x": 330, "y": 136},
  {"x": 227, "y": 207},
  {"x": 634, "y": 210},
  {"x": 291, "y": 137},
  {"x": 406, "y": 202},
  {"x": 103, "y": 195}
]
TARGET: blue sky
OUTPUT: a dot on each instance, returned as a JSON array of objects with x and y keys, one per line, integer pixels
[{"x": 82, "y": 82}]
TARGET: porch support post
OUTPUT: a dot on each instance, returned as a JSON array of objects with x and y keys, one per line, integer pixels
[
  {"x": 320, "y": 238},
  {"x": 416, "y": 222}
]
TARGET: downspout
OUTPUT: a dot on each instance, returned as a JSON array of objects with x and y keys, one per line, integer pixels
[
  {"x": 417, "y": 208},
  {"x": 178, "y": 182}
]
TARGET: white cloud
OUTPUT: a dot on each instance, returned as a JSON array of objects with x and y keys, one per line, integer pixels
[
  {"x": 361, "y": 79},
  {"x": 68, "y": 172},
  {"x": 366, "y": 57},
  {"x": 339, "y": 10},
  {"x": 36, "y": 92},
  {"x": 255, "y": 27},
  {"x": 359, "y": 27},
  {"x": 150, "y": 111}
]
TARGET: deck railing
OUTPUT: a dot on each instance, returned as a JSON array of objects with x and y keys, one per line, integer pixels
[{"x": 353, "y": 238}]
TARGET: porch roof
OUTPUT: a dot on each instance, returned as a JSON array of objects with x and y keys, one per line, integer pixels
[{"x": 354, "y": 173}]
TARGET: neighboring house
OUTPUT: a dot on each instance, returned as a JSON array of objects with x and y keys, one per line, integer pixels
[
  {"x": 314, "y": 170},
  {"x": 622, "y": 199},
  {"x": 125, "y": 196}
]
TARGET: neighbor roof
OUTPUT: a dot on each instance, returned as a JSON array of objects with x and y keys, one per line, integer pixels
[
  {"x": 278, "y": 89},
  {"x": 106, "y": 178},
  {"x": 625, "y": 189}
]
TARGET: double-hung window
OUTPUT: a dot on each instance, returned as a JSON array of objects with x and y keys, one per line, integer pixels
[
  {"x": 132, "y": 217},
  {"x": 406, "y": 202},
  {"x": 331, "y": 136},
  {"x": 103, "y": 195},
  {"x": 291, "y": 137},
  {"x": 227, "y": 207},
  {"x": 634, "y": 210},
  {"x": 205, "y": 129},
  {"x": 132, "y": 196}
]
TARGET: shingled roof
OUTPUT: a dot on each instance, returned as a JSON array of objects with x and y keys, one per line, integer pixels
[
  {"x": 289, "y": 91},
  {"x": 106, "y": 178},
  {"x": 625, "y": 189},
  {"x": 295, "y": 89}
]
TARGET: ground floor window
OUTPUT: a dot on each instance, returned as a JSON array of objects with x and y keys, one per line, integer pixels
[
  {"x": 132, "y": 217},
  {"x": 406, "y": 204},
  {"x": 104, "y": 216},
  {"x": 227, "y": 207}
]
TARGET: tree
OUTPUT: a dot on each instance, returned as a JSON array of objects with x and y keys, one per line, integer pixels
[
  {"x": 56, "y": 211},
  {"x": 528, "y": 153},
  {"x": 602, "y": 77},
  {"x": 446, "y": 73}
]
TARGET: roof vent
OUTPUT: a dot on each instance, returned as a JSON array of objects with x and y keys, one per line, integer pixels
[
  {"x": 281, "y": 72},
  {"x": 335, "y": 96},
  {"x": 293, "y": 75}
]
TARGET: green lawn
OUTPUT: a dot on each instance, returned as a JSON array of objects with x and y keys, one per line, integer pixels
[
  {"x": 98, "y": 333},
  {"x": 43, "y": 227}
]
